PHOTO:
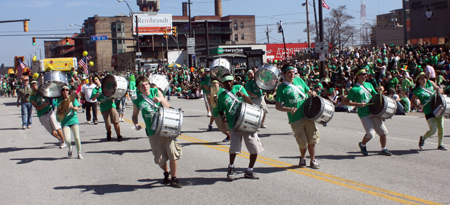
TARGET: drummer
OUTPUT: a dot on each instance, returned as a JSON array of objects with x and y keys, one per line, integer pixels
[
  {"x": 215, "y": 92},
  {"x": 256, "y": 95},
  {"x": 164, "y": 148},
  {"x": 425, "y": 91},
  {"x": 293, "y": 92},
  {"x": 359, "y": 96},
  {"x": 228, "y": 103}
]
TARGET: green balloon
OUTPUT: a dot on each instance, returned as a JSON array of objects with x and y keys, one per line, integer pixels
[{"x": 275, "y": 61}]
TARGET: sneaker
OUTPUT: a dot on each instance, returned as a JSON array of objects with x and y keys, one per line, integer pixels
[
  {"x": 62, "y": 144},
  {"x": 302, "y": 162},
  {"x": 166, "y": 178},
  {"x": 83, "y": 110},
  {"x": 95, "y": 122},
  {"x": 120, "y": 138},
  {"x": 250, "y": 175},
  {"x": 122, "y": 120},
  {"x": 108, "y": 136},
  {"x": 263, "y": 125},
  {"x": 363, "y": 149},
  {"x": 24, "y": 128},
  {"x": 442, "y": 147},
  {"x": 79, "y": 156},
  {"x": 69, "y": 154},
  {"x": 175, "y": 183},
  {"x": 209, "y": 114},
  {"x": 421, "y": 142},
  {"x": 89, "y": 122},
  {"x": 226, "y": 139},
  {"x": 29, "y": 126},
  {"x": 231, "y": 175},
  {"x": 209, "y": 127},
  {"x": 385, "y": 152},
  {"x": 314, "y": 164}
]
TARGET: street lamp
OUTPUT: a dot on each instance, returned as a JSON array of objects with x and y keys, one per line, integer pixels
[
  {"x": 307, "y": 22},
  {"x": 131, "y": 11},
  {"x": 72, "y": 24}
]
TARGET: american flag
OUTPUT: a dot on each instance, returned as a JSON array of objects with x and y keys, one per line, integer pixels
[
  {"x": 20, "y": 68},
  {"x": 83, "y": 63},
  {"x": 325, "y": 5}
]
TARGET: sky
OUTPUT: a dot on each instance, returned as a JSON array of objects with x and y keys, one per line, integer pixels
[{"x": 53, "y": 18}]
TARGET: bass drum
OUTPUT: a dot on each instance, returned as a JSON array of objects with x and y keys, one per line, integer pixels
[
  {"x": 440, "y": 106},
  {"x": 319, "y": 110},
  {"x": 267, "y": 77},
  {"x": 383, "y": 107},
  {"x": 160, "y": 81},
  {"x": 220, "y": 67},
  {"x": 114, "y": 86},
  {"x": 248, "y": 118},
  {"x": 169, "y": 122},
  {"x": 52, "y": 83}
]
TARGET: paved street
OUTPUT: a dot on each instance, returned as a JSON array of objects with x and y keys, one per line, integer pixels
[{"x": 35, "y": 171}]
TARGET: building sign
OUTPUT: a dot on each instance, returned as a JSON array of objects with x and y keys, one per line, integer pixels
[
  {"x": 219, "y": 51},
  {"x": 276, "y": 51},
  {"x": 61, "y": 64},
  {"x": 152, "y": 24}
]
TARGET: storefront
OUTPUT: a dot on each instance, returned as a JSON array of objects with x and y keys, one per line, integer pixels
[{"x": 239, "y": 57}]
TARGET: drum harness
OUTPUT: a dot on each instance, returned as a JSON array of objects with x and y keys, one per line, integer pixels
[
  {"x": 153, "y": 105},
  {"x": 234, "y": 97},
  {"x": 298, "y": 90}
]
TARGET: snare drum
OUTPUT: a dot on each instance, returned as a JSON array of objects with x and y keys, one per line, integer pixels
[
  {"x": 114, "y": 86},
  {"x": 160, "y": 81},
  {"x": 220, "y": 67},
  {"x": 169, "y": 122},
  {"x": 248, "y": 118},
  {"x": 440, "y": 106},
  {"x": 267, "y": 77},
  {"x": 319, "y": 110},
  {"x": 383, "y": 108},
  {"x": 52, "y": 83}
]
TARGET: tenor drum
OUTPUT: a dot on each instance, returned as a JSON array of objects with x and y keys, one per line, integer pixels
[
  {"x": 248, "y": 118},
  {"x": 440, "y": 106},
  {"x": 319, "y": 110},
  {"x": 220, "y": 67},
  {"x": 160, "y": 81},
  {"x": 267, "y": 77},
  {"x": 383, "y": 108},
  {"x": 114, "y": 86},
  {"x": 169, "y": 122},
  {"x": 52, "y": 83}
]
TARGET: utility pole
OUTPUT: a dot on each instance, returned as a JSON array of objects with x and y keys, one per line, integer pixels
[
  {"x": 207, "y": 38},
  {"x": 307, "y": 24},
  {"x": 190, "y": 34},
  {"x": 137, "y": 42},
  {"x": 315, "y": 18},
  {"x": 267, "y": 34},
  {"x": 322, "y": 55}
]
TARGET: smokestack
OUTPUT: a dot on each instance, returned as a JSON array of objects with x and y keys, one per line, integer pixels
[
  {"x": 218, "y": 7},
  {"x": 184, "y": 7}
]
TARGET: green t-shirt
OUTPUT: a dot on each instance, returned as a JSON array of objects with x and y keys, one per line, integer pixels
[
  {"x": 393, "y": 83},
  {"x": 252, "y": 87},
  {"x": 148, "y": 111},
  {"x": 106, "y": 103},
  {"x": 360, "y": 95},
  {"x": 292, "y": 98},
  {"x": 207, "y": 82},
  {"x": 227, "y": 105},
  {"x": 40, "y": 100},
  {"x": 406, "y": 83},
  {"x": 406, "y": 103},
  {"x": 425, "y": 96},
  {"x": 71, "y": 117},
  {"x": 215, "y": 110}
]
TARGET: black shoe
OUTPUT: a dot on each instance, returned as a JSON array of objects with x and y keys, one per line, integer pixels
[
  {"x": 421, "y": 142},
  {"x": 175, "y": 183},
  {"x": 442, "y": 147},
  {"x": 108, "y": 136},
  {"x": 120, "y": 138},
  {"x": 363, "y": 149},
  {"x": 250, "y": 175},
  {"x": 231, "y": 175},
  {"x": 209, "y": 127},
  {"x": 166, "y": 178},
  {"x": 95, "y": 122},
  {"x": 226, "y": 139}
]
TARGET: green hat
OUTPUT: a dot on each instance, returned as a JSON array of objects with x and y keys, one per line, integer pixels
[
  {"x": 64, "y": 87},
  {"x": 215, "y": 81},
  {"x": 288, "y": 68},
  {"x": 227, "y": 78},
  {"x": 249, "y": 71},
  {"x": 201, "y": 70},
  {"x": 32, "y": 82},
  {"x": 418, "y": 75}
]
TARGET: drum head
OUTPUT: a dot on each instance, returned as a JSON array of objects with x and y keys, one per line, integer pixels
[
  {"x": 109, "y": 85},
  {"x": 238, "y": 114},
  {"x": 312, "y": 107},
  {"x": 436, "y": 101},
  {"x": 266, "y": 79},
  {"x": 218, "y": 72},
  {"x": 377, "y": 107}
]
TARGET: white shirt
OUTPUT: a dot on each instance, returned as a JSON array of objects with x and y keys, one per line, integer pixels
[
  {"x": 87, "y": 90},
  {"x": 429, "y": 72}
]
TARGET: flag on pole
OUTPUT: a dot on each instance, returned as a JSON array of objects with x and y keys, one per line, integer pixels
[
  {"x": 325, "y": 5},
  {"x": 83, "y": 63},
  {"x": 20, "y": 68}
]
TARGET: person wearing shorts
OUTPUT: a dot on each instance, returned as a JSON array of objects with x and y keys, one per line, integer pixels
[
  {"x": 46, "y": 115},
  {"x": 291, "y": 97},
  {"x": 228, "y": 103},
  {"x": 164, "y": 148},
  {"x": 359, "y": 96},
  {"x": 256, "y": 95},
  {"x": 108, "y": 110}
]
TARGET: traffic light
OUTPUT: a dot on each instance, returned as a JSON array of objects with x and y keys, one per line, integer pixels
[
  {"x": 67, "y": 40},
  {"x": 25, "y": 26},
  {"x": 174, "y": 31},
  {"x": 34, "y": 41},
  {"x": 165, "y": 33}
]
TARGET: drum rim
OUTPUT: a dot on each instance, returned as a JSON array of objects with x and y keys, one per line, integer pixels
[
  {"x": 237, "y": 125},
  {"x": 383, "y": 112},
  {"x": 115, "y": 90},
  {"x": 322, "y": 106},
  {"x": 444, "y": 103},
  {"x": 275, "y": 72},
  {"x": 160, "y": 122},
  {"x": 241, "y": 115}
]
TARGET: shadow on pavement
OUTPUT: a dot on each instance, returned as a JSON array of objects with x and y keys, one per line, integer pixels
[
  {"x": 205, "y": 143},
  {"x": 28, "y": 160},
  {"x": 114, "y": 139},
  {"x": 195, "y": 116},
  {"x": 110, "y": 188},
  {"x": 10, "y": 104},
  {"x": 241, "y": 170},
  {"x": 193, "y": 181},
  {"x": 11, "y": 128},
  {"x": 121, "y": 152},
  {"x": 14, "y": 149},
  {"x": 268, "y": 135}
]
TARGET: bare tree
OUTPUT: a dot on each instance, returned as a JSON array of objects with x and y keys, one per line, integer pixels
[{"x": 337, "y": 29}]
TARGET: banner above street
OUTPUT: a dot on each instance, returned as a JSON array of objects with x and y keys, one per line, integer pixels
[{"x": 152, "y": 24}]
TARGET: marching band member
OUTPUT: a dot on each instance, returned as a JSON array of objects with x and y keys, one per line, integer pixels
[
  {"x": 228, "y": 103},
  {"x": 359, "y": 96},
  {"x": 163, "y": 148},
  {"x": 256, "y": 95},
  {"x": 46, "y": 115},
  {"x": 206, "y": 87},
  {"x": 293, "y": 92},
  {"x": 425, "y": 91},
  {"x": 215, "y": 92}
]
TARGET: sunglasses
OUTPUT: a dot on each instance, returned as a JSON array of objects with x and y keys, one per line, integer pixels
[
  {"x": 363, "y": 74},
  {"x": 65, "y": 90}
]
